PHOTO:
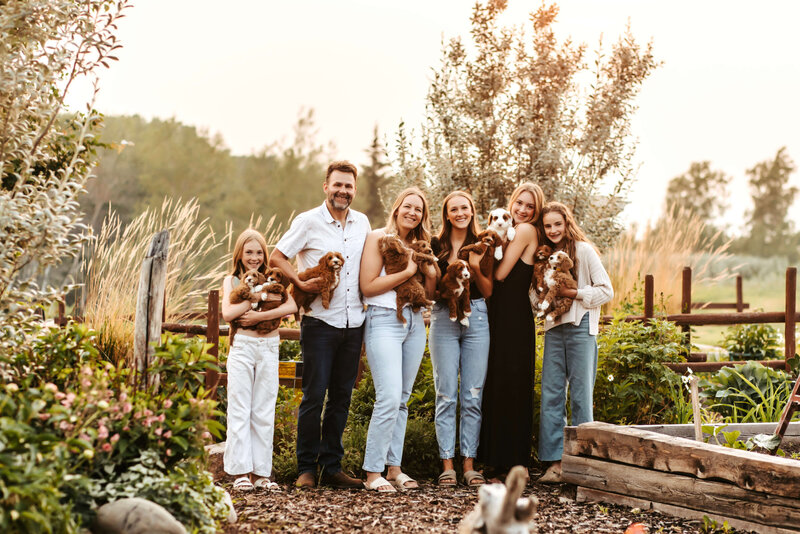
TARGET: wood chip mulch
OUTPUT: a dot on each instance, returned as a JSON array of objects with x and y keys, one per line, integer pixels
[{"x": 430, "y": 509}]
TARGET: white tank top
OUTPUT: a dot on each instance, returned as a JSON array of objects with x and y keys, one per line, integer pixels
[{"x": 384, "y": 300}]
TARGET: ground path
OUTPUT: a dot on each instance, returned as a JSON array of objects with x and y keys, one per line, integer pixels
[{"x": 430, "y": 509}]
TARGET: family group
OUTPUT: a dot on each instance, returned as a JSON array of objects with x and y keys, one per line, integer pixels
[{"x": 485, "y": 363}]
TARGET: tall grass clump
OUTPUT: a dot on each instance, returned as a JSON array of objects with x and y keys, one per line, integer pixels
[{"x": 663, "y": 249}]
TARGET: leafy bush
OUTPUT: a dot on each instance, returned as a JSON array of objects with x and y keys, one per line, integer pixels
[
  {"x": 752, "y": 342},
  {"x": 85, "y": 427},
  {"x": 747, "y": 393},
  {"x": 289, "y": 350},
  {"x": 284, "y": 459},
  {"x": 633, "y": 386}
]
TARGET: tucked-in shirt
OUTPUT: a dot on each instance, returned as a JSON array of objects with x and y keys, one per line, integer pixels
[
  {"x": 474, "y": 292},
  {"x": 313, "y": 234},
  {"x": 594, "y": 290},
  {"x": 387, "y": 299}
]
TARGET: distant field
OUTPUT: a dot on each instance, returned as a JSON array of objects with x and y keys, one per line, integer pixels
[{"x": 765, "y": 292}]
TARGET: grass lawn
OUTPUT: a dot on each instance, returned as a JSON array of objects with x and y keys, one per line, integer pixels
[{"x": 765, "y": 293}]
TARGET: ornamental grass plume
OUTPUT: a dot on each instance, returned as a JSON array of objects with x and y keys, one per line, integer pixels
[
  {"x": 197, "y": 262},
  {"x": 663, "y": 249}
]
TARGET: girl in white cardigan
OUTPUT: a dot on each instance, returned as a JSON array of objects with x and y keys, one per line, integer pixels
[{"x": 570, "y": 346}]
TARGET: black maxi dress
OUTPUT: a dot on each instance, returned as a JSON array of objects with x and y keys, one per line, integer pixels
[{"x": 507, "y": 414}]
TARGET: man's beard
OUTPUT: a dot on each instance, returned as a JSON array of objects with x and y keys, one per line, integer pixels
[{"x": 340, "y": 202}]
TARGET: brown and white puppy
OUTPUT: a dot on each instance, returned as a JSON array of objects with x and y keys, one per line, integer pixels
[
  {"x": 501, "y": 222},
  {"x": 540, "y": 265},
  {"x": 556, "y": 277},
  {"x": 488, "y": 244},
  {"x": 454, "y": 288},
  {"x": 265, "y": 291},
  {"x": 395, "y": 258},
  {"x": 328, "y": 268}
]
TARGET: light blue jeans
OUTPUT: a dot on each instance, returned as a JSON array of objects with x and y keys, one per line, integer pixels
[
  {"x": 459, "y": 350},
  {"x": 394, "y": 354},
  {"x": 570, "y": 358}
]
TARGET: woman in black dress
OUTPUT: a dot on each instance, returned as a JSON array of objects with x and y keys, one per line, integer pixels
[{"x": 507, "y": 427}]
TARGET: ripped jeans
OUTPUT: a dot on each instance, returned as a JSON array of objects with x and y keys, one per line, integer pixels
[{"x": 459, "y": 350}]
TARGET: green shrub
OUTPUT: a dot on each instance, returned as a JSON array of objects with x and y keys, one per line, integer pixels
[
  {"x": 284, "y": 459},
  {"x": 289, "y": 350},
  {"x": 633, "y": 386},
  {"x": 747, "y": 393},
  {"x": 90, "y": 427},
  {"x": 752, "y": 342}
]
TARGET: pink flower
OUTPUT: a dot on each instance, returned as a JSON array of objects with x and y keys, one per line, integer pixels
[
  {"x": 169, "y": 452},
  {"x": 206, "y": 435},
  {"x": 126, "y": 428},
  {"x": 114, "y": 438},
  {"x": 44, "y": 416},
  {"x": 147, "y": 412},
  {"x": 60, "y": 395},
  {"x": 167, "y": 404},
  {"x": 67, "y": 402},
  {"x": 159, "y": 431},
  {"x": 123, "y": 397},
  {"x": 102, "y": 432},
  {"x": 87, "y": 370},
  {"x": 85, "y": 437},
  {"x": 168, "y": 434},
  {"x": 63, "y": 425},
  {"x": 127, "y": 407},
  {"x": 51, "y": 387},
  {"x": 161, "y": 418},
  {"x": 106, "y": 447},
  {"x": 86, "y": 383}
]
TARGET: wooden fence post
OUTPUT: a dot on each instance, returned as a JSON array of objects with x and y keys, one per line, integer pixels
[
  {"x": 212, "y": 336},
  {"x": 791, "y": 310},
  {"x": 149, "y": 304},
  {"x": 686, "y": 305},
  {"x": 739, "y": 297},
  {"x": 648, "y": 296}
]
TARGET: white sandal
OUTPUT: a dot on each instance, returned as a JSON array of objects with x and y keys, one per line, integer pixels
[
  {"x": 401, "y": 480},
  {"x": 267, "y": 484},
  {"x": 380, "y": 485},
  {"x": 243, "y": 484}
]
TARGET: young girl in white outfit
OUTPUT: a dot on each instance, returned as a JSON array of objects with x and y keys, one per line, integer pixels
[{"x": 252, "y": 374}]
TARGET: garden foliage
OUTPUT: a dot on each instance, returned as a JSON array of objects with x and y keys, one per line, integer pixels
[
  {"x": 748, "y": 393},
  {"x": 752, "y": 342},
  {"x": 74, "y": 434},
  {"x": 633, "y": 386}
]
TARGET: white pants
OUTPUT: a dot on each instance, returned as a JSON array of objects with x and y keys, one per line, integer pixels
[{"x": 252, "y": 391}]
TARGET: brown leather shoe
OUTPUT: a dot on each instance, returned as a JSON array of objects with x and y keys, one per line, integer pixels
[
  {"x": 305, "y": 480},
  {"x": 340, "y": 480}
]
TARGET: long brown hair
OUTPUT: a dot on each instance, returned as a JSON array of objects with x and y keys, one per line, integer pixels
[
  {"x": 423, "y": 230},
  {"x": 238, "y": 268},
  {"x": 447, "y": 227},
  {"x": 572, "y": 233},
  {"x": 538, "y": 202}
]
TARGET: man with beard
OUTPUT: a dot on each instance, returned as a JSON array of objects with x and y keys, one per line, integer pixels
[{"x": 330, "y": 339}]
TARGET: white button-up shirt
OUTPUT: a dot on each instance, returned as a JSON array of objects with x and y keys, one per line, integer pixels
[{"x": 314, "y": 233}]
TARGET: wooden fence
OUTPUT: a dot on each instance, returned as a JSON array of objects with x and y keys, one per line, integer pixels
[{"x": 686, "y": 319}]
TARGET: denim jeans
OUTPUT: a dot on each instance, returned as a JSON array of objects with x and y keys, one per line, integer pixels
[
  {"x": 570, "y": 357},
  {"x": 394, "y": 354},
  {"x": 459, "y": 350},
  {"x": 330, "y": 364},
  {"x": 252, "y": 391}
]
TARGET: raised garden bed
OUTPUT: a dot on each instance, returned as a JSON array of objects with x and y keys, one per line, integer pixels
[{"x": 685, "y": 478}]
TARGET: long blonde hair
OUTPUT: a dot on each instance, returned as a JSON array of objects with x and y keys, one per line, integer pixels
[
  {"x": 538, "y": 202},
  {"x": 423, "y": 230},
  {"x": 447, "y": 227},
  {"x": 238, "y": 268}
]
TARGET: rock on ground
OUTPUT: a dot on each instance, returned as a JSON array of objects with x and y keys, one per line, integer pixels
[{"x": 135, "y": 516}]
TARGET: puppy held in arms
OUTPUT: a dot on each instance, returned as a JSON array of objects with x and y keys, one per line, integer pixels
[
  {"x": 454, "y": 288},
  {"x": 395, "y": 257},
  {"x": 328, "y": 269},
  {"x": 500, "y": 221},
  {"x": 265, "y": 292},
  {"x": 556, "y": 278}
]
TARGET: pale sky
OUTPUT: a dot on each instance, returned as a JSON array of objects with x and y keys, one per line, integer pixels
[{"x": 727, "y": 91}]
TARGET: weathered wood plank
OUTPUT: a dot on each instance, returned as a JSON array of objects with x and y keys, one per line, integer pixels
[
  {"x": 724, "y": 499},
  {"x": 747, "y": 429},
  {"x": 593, "y": 495},
  {"x": 150, "y": 304},
  {"x": 747, "y": 470}
]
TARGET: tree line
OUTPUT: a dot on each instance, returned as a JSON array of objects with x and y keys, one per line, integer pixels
[{"x": 769, "y": 230}]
